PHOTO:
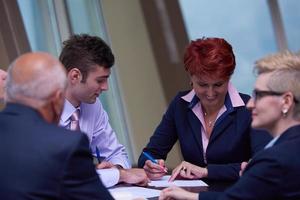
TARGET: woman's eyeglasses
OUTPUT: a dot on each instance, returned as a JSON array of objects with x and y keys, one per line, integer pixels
[{"x": 258, "y": 94}]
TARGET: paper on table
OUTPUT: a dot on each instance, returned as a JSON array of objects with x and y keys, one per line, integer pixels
[
  {"x": 181, "y": 183},
  {"x": 122, "y": 193}
]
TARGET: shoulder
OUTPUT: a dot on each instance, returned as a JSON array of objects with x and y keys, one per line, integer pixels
[
  {"x": 60, "y": 137},
  {"x": 92, "y": 111},
  {"x": 282, "y": 154},
  {"x": 91, "y": 106},
  {"x": 179, "y": 96},
  {"x": 178, "y": 101}
]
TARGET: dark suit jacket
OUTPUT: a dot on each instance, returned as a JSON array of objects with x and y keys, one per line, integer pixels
[
  {"x": 232, "y": 139},
  {"x": 273, "y": 173},
  {"x": 42, "y": 161}
]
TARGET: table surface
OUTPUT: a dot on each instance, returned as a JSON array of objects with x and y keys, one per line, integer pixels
[{"x": 216, "y": 186}]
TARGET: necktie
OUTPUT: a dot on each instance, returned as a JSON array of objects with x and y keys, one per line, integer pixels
[{"x": 74, "y": 120}]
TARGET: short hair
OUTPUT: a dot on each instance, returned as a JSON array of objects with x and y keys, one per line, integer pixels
[
  {"x": 285, "y": 74},
  {"x": 84, "y": 52},
  {"x": 42, "y": 85},
  {"x": 212, "y": 57}
]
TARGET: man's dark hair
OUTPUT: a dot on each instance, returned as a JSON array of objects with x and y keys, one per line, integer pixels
[{"x": 84, "y": 52}]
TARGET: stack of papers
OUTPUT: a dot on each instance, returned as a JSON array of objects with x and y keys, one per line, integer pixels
[
  {"x": 132, "y": 192},
  {"x": 126, "y": 193},
  {"x": 180, "y": 183}
]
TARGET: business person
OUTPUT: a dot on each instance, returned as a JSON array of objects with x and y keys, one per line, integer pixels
[
  {"x": 3, "y": 75},
  {"x": 274, "y": 172},
  {"x": 40, "y": 160},
  {"x": 88, "y": 60},
  {"x": 210, "y": 121}
]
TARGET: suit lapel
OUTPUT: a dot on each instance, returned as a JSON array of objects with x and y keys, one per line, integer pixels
[
  {"x": 220, "y": 127},
  {"x": 196, "y": 128},
  {"x": 226, "y": 118}
]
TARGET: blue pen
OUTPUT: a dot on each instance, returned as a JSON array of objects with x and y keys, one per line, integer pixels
[
  {"x": 148, "y": 156},
  {"x": 98, "y": 155}
]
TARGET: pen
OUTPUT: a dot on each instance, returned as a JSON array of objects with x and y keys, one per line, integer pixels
[
  {"x": 148, "y": 156},
  {"x": 98, "y": 155}
]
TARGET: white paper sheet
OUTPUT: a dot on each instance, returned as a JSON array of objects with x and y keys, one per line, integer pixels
[
  {"x": 127, "y": 193},
  {"x": 181, "y": 183}
]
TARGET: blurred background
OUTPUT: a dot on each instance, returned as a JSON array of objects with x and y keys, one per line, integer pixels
[{"x": 148, "y": 38}]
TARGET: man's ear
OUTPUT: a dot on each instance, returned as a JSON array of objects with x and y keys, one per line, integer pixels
[{"x": 74, "y": 75}]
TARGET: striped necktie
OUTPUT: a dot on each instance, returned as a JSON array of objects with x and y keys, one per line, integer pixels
[{"x": 74, "y": 120}]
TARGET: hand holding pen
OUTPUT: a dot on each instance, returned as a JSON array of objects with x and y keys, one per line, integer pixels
[
  {"x": 101, "y": 163},
  {"x": 155, "y": 169}
]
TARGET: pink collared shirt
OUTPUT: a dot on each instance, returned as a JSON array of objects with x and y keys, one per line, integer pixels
[{"x": 236, "y": 101}]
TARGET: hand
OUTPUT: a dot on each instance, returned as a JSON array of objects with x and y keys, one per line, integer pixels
[
  {"x": 188, "y": 171},
  {"x": 243, "y": 166},
  {"x": 175, "y": 192},
  {"x": 104, "y": 165},
  {"x": 134, "y": 176},
  {"x": 155, "y": 171}
]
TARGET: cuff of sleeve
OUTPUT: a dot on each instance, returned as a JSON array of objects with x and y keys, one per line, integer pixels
[
  {"x": 109, "y": 177},
  {"x": 211, "y": 169},
  {"x": 124, "y": 163}
]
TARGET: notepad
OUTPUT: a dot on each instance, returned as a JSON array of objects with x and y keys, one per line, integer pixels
[
  {"x": 126, "y": 193},
  {"x": 163, "y": 182}
]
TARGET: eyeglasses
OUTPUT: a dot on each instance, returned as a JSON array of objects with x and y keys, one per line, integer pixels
[{"x": 258, "y": 94}]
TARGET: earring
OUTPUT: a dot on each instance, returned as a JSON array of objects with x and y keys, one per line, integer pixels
[{"x": 284, "y": 112}]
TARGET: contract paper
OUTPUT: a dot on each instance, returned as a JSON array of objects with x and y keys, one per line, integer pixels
[
  {"x": 163, "y": 182},
  {"x": 126, "y": 193}
]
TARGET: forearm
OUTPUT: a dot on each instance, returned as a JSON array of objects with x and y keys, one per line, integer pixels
[{"x": 226, "y": 172}]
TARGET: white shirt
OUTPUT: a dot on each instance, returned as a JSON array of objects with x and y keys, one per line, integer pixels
[{"x": 94, "y": 122}]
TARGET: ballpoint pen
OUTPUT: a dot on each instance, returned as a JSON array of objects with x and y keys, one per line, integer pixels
[
  {"x": 98, "y": 155},
  {"x": 148, "y": 156}
]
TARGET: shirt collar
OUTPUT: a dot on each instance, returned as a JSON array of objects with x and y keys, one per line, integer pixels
[
  {"x": 272, "y": 142},
  {"x": 234, "y": 95}
]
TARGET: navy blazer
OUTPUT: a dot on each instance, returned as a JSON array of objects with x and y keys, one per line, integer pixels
[
  {"x": 272, "y": 174},
  {"x": 232, "y": 140},
  {"x": 43, "y": 161}
]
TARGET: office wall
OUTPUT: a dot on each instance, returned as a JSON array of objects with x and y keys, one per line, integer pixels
[
  {"x": 4, "y": 61},
  {"x": 137, "y": 72}
]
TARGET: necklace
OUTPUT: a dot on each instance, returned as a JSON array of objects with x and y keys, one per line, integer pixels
[{"x": 210, "y": 122}]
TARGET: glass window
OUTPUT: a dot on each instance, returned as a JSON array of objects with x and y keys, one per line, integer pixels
[
  {"x": 40, "y": 24},
  {"x": 291, "y": 18},
  {"x": 246, "y": 25}
]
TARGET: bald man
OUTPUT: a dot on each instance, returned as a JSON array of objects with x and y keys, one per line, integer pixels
[
  {"x": 2, "y": 84},
  {"x": 39, "y": 160}
]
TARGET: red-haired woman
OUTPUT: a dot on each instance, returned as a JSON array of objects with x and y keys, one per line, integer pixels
[{"x": 210, "y": 121}]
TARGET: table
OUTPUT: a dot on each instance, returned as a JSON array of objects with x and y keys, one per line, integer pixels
[{"x": 215, "y": 186}]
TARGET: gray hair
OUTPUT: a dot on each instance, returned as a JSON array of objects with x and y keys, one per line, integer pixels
[{"x": 44, "y": 82}]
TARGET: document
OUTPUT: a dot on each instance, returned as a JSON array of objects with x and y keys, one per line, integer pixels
[
  {"x": 181, "y": 183},
  {"x": 127, "y": 193}
]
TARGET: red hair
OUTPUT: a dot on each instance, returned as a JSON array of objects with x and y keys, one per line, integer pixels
[{"x": 211, "y": 57}]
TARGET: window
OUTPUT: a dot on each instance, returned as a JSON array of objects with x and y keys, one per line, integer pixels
[{"x": 246, "y": 25}]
